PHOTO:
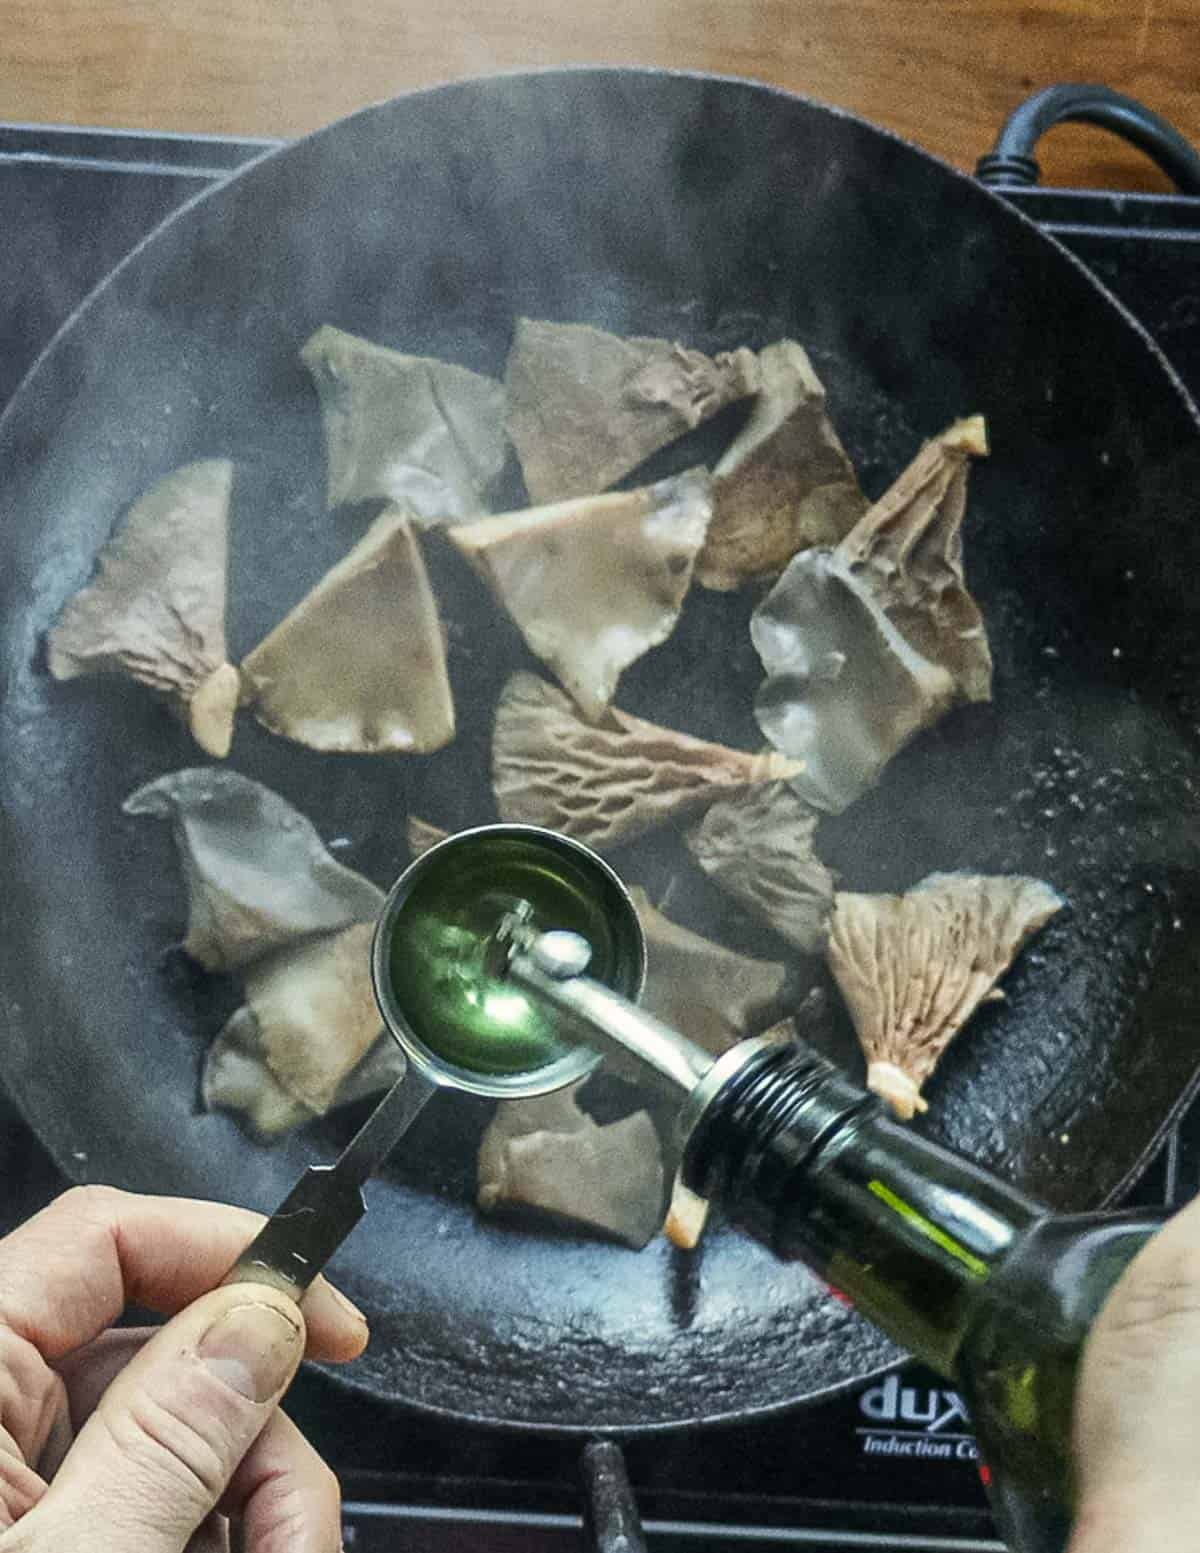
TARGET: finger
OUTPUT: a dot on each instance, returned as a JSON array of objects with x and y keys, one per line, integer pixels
[
  {"x": 212, "y": 1537},
  {"x": 1138, "y": 1384},
  {"x": 284, "y": 1497},
  {"x": 20, "y": 1486},
  {"x": 70, "y": 1271},
  {"x": 32, "y": 1398},
  {"x": 166, "y": 1438},
  {"x": 90, "y": 1371}
]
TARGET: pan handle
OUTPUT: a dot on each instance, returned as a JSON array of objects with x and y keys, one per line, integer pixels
[
  {"x": 610, "y": 1513},
  {"x": 1011, "y": 162}
]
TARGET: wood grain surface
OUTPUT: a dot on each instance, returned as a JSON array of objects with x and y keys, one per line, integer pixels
[{"x": 943, "y": 73}]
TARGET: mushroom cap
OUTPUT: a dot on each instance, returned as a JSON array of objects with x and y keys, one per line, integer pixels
[
  {"x": 548, "y": 1155},
  {"x": 424, "y": 433},
  {"x": 258, "y": 875},
  {"x": 594, "y": 583},
  {"x": 866, "y": 644},
  {"x": 784, "y": 483},
  {"x": 759, "y": 847},
  {"x": 586, "y": 407},
  {"x": 421, "y": 834},
  {"x": 360, "y": 663},
  {"x": 308, "y": 1021},
  {"x": 155, "y": 609},
  {"x": 610, "y": 783},
  {"x": 844, "y": 690},
  {"x": 907, "y": 552},
  {"x": 913, "y": 968}
]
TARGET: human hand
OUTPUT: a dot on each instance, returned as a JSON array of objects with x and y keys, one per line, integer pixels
[
  {"x": 153, "y": 1441},
  {"x": 1137, "y": 1409}
]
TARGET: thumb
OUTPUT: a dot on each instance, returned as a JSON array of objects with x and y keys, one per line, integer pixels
[{"x": 158, "y": 1452}]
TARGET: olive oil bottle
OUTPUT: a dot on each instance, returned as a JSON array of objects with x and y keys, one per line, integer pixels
[{"x": 974, "y": 1278}]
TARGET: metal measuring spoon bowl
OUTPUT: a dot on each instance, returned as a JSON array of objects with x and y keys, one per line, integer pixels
[{"x": 441, "y": 974}]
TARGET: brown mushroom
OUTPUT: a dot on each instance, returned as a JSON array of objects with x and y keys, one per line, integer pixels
[
  {"x": 258, "y": 876},
  {"x": 913, "y": 968},
  {"x": 421, "y": 835},
  {"x": 784, "y": 483},
  {"x": 360, "y": 663},
  {"x": 586, "y": 407},
  {"x": 907, "y": 553},
  {"x": 156, "y": 607},
  {"x": 594, "y": 583},
  {"x": 759, "y": 847},
  {"x": 607, "y": 784},
  {"x": 308, "y": 1020},
  {"x": 709, "y": 993},
  {"x": 867, "y": 644},
  {"x": 548, "y": 1155},
  {"x": 423, "y": 433}
]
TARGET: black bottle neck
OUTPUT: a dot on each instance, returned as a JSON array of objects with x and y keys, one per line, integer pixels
[{"x": 808, "y": 1162}]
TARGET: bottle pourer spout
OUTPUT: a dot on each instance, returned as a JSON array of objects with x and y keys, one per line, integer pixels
[{"x": 551, "y": 967}]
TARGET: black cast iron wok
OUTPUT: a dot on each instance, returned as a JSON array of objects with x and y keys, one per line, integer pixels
[{"x": 720, "y": 213}]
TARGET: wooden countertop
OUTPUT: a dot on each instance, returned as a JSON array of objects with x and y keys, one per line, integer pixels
[{"x": 943, "y": 74}]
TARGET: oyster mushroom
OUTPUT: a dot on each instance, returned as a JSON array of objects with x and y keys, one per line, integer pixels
[
  {"x": 423, "y": 433},
  {"x": 866, "y": 644},
  {"x": 156, "y": 607},
  {"x": 759, "y": 847},
  {"x": 548, "y": 1155},
  {"x": 378, "y": 1070},
  {"x": 421, "y": 835},
  {"x": 308, "y": 1020},
  {"x": 610, "y": 783},
  {"x": 907, "y": 553},
  {"x": 360, "y": 663},
  {"x": 586, "y": 407},
  {"x": 594, "y": 583},
  {"x": 258, "y": 875},
  {"x": 913, "y": 968},
  {"x": 709, "y": 993},
  {"x": 784, "y": 483}
]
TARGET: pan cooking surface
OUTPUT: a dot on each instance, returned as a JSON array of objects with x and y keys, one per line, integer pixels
[{"x": 721, "y": 214}]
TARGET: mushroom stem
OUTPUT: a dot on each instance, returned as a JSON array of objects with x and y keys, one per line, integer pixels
[
  {"x": 211, "y": 710},
  {"x": 897, "y": 1088}
]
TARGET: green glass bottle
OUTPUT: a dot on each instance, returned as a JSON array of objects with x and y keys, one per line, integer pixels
[{"x": 971, "y": 1276}]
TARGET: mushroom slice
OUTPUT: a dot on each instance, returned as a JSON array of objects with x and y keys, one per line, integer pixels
[
  {"x": 236, "y": 1078},
  {"x": 867, "y": 644},
  {"x": 156, "y": 608},
  {"x": 759, "y": 847},
  {"x": 586, "y": 407},
  {"x": 595, "y": 583},
  {"x": 308, "y": 1021},
  {"x": 383, "y": 1065},
  {"x": 360, "y": 664},
  {"x": 907, "y": 551},
  {"x": 913, "y": 968},
  {"x": 548, "y": 1155},
  {"x": 420, "y": 432},
  {"x": 421, "y": 835},
  {"x": 607, "y": 784},
  {"x": 784, "y": 483},
  {"x": 258, "y": 875},
  {"x": 844, "y": 691},
  {"x": 711, "y": 994}
]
